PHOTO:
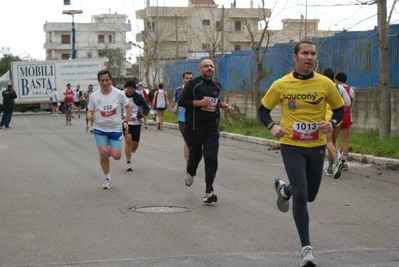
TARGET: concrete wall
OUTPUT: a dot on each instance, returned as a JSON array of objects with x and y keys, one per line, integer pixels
[{"x": 365, "y": 111}]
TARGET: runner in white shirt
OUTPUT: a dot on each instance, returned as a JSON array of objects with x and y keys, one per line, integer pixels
[{"x": 105, "y": 110}]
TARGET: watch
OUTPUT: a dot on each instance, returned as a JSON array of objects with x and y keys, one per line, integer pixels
[
  {"x": 334, "y": 123},
  {"x": 270, "y": 125}
]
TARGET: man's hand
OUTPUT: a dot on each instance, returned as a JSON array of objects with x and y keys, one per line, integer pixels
[
  {"x": 278, "y": 131},
  {"x": 325, "y": 126}
]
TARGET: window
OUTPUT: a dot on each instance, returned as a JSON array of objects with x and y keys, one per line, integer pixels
[
  {"x": 218, "y": 26},
  {"x": 65, "y": 39},
  {"x": 206, "y": 22},
  {"x": 206, "y": 47},
  {"x": 65, "y": 56},
  {"x": 237, "y": 26},
  {"x": 110, "y": 39},
  {"x": 237, "y": 47},
  {"x": 101, "y": 39}
]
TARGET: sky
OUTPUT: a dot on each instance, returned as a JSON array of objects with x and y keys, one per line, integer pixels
[{"x": 22, "y": 20}]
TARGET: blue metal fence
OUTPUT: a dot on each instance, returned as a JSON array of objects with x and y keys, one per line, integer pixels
[{"x": 355, "y": 53}]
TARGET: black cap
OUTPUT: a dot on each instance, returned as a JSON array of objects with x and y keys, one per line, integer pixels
[
  {"x": 341, "y": 77},
  {"x": 130, "y": 83}
]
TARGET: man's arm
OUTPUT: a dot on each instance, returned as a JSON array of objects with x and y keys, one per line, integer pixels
[{"x": 129, "y": 109}]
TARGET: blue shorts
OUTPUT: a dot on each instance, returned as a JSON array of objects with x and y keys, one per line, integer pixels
[
  {"x": 111, "y": 139},
  {"x": 68, "y": 108}
]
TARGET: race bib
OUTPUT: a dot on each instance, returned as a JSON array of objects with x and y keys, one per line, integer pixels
[
  {"x": 305, "y": 131},
  {"x": 108, "y": 110},
  {"x": 212, "y": 106}
]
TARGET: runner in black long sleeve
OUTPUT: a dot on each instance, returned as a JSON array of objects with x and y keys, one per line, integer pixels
[{"x": 201, "y": 101}]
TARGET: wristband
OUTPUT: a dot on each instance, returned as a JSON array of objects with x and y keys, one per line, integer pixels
[{"x": 270, "y": 125}]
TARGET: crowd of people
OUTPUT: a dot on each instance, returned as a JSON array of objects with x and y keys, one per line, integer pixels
[{"x": 314, "y": 109}]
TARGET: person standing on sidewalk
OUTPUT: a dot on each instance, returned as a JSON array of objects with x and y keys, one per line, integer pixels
[
  {"x": 347, "y": 122},
  {"x": 187, "y": 76},
  {"x": 201, "y": 100},
  {"x": 105, "y": 110},
  {"x": 139, "y": 110},
  {"x": 8, "y": 106},
  {"x": 302, "y": 95}
]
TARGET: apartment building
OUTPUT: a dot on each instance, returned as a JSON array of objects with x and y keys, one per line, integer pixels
[
  {"x": 106, "y": 31},
  {"x": 200, "y": 28},
  {"x": 203, "y": 28}
]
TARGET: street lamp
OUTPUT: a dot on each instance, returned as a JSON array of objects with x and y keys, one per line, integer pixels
[{"x": 72, "y": 13}]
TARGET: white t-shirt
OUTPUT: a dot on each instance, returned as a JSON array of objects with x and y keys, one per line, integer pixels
[
  {"x": 108, "y": 110},
  {"x": 133, "y": 117}
]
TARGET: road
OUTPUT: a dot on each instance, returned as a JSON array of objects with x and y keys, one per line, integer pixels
[{"x": 54, "y": 211}]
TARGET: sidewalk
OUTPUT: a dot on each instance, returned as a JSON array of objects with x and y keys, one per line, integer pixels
[{"x": 368, "y": 159}]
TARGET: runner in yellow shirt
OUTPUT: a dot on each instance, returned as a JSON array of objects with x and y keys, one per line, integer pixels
[{"x": 302, "y": 95}]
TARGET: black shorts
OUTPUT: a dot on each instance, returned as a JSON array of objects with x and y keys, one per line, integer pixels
[
  {"x": 134, "y": 131},
  {"x": 77, "y": 104}
]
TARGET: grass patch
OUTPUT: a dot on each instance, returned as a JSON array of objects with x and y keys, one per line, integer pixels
[{"x": 365, "y": 142}]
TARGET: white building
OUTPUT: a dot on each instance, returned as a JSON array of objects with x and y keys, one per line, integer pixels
[{"x": 106, "y": 31}]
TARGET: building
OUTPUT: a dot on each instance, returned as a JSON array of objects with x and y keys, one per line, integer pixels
[
  {"x": 200, "y": 28},
  {"x": 204, "y": 29},
  {"x": 106, "y": 31}
]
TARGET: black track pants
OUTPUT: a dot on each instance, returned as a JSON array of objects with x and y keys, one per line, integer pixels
[{"x": 203, "y": 144}]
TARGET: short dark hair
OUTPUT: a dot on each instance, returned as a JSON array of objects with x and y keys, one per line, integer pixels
[
  {"x": 102, "y": 72},
  {"x": 329, "y": 72},
  {"x": 160, "y": 86},
  {"x": 9, "y": 86},
  {"x": 341, "y": 77},
  {"x": 297, "y": 45},
  {"x": 186, "y": 72}
]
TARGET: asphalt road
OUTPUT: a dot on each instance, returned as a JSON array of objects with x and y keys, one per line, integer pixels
[{"x": 54, "y": 212}]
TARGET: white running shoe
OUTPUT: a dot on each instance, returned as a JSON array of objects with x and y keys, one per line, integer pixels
[
  {"x": 209, "y": 198},
  {"x": 188, "y": 179},
  {"x": 282, "y": 204},
  {"x": 107, "y": 184},
  {"x": 307, "y": 258},
  {"x": 129, "y": 167}
]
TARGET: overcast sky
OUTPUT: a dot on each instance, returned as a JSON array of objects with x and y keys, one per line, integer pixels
[{"x": 22, "y": 20}]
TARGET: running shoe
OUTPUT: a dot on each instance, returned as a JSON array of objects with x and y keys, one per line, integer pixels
[
  {"x": 129, "y": 167},
  {"x": 307, "y": 258},
  {"x": 282, "y": 203},
  {"x": 209, "y": 198},
  {"x": 188, "y": 179},
  {"x": 329, "y": 172},
  {"x": 107, "y": 184},
  {"x": 145, "y": 126},
  {"x": 91, "y": 130},
  {"x": 159, "y": 126},
  {"x": 338, "y": 169}
]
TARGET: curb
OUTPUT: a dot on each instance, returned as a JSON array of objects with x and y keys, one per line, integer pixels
[{"x": 267, "y": 142}]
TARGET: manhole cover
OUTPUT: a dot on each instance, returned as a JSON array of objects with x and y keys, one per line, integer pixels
[{"x": 160, "y": 209}]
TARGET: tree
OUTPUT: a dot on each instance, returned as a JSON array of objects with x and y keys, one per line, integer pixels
[
  {"x": 257, "y": 41},
  {"x": 116, "y": 60},
  {"x": 6, "y": 59},
  {"x": 384, "y": 83}
]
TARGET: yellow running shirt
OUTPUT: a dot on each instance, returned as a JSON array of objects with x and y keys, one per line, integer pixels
[{"x": 303, "y": 105}]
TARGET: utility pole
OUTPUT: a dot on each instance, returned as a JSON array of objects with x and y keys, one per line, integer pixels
[
  {"x": 72, "y": 13},
  {"x": 222, "y": 26}
]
